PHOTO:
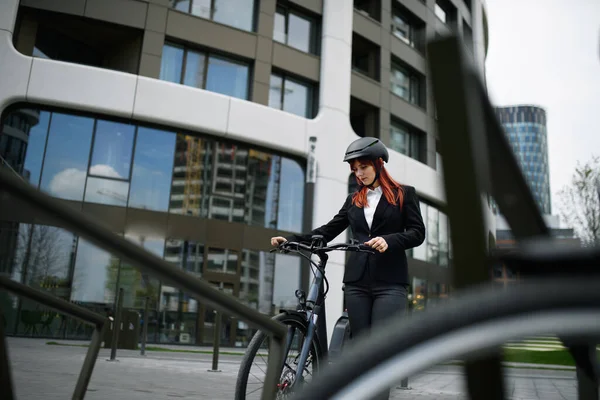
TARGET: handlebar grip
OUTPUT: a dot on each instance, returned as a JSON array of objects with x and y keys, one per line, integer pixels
[{"x": 364, "y": 247}]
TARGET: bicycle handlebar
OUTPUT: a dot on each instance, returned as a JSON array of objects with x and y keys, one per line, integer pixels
[{"x": 361, "y": 248}]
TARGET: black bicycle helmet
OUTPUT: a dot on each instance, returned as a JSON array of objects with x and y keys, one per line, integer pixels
[{"x": 366, "y": 147}]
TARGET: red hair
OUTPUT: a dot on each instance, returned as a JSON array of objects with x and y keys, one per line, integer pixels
[{"x": 392, "y": 190}]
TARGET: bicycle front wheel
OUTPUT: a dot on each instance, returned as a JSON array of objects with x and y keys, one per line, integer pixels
[
  {"x": 251, "y": 375},
  {"x": 475, "y": 324}
]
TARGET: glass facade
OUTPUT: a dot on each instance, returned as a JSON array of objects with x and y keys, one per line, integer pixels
[
  {"x": 436, "y": 248},
  {"x": 188, "y": 188},
  {"x": 525, "y": 128},
  {"x": 236, "y": 13},
  {"x": 205, "y": 71}
]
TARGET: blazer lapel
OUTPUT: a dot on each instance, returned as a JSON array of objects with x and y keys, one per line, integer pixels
[{"x": 380, "y": 212}]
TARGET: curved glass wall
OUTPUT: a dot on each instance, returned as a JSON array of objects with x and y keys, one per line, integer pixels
[{"x": 206, "y": 205}]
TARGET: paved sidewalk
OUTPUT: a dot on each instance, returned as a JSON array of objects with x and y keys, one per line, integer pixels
[{"x": 42, "y": 371}]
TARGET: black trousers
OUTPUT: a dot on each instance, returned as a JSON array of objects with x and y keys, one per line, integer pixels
[{"x": 370, "y": 304}]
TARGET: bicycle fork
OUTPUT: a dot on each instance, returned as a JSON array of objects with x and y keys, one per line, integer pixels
[{"x": 306, "y": 345}]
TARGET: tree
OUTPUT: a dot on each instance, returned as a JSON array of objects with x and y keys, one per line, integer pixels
[{"x": 579, "y": 202}]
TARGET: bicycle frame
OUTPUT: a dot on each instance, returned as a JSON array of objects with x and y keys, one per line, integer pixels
[{"x": 309, "y": 305}]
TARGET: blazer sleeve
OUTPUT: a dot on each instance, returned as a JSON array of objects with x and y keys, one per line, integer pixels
[
  {"x": 414, "y": 228},
  {"x": 331, "y": 229}
]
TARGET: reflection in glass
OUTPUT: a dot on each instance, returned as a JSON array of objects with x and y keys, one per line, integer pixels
[
  {"x": 229, "y": 183},
  {"x": 181, "y": 5},
  {"x": 299, "y": 34},
  {"x": 419, "y": 294},
  {"x": 399, "y": 139},
  {"x": 236, "y": 13},
  {"x": 432, "y": 236},
  {"x": 152, "y": 169},
  {"x": 44, "y": 257},
  {"x": 185, "y": 254},
  {"x": 264, "y": 170},
  {"x": 67, "y": 155},
  {"x": 171, "y": 64},
  {"x": 227, "y": 77},
  {"x": 275, "y": 88},
  {"x": 296, "y": 98},
  {"x": 291, "y": 196},
  {"x": 286, "y": 281},
  {"x": 93, "y": 267},
  {"x": 443, "y": 239},
  {"x": 279, "y": 26},
  {"x": 137, "y": 284},
  {"x": 201, "y": 8},
  {"x": 113, "y": 145},
  {"x": 420, "y": 252},
  {"x": 106, "y": 191},
  {"x": 194, "y": 69},
  {"x": 22, "y": 141},
  {"x": 192, "y": 172},
  {"x": 222, "y": 261}
]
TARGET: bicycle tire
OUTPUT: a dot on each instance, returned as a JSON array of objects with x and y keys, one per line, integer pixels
[
  {"x": 287, "y": 318},
  {"x": 381, "y": 359}
]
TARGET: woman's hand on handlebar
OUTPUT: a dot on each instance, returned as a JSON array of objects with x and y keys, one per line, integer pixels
[
  {"x": 378, "y": 243},
  {"x": 277, "y": 240}
]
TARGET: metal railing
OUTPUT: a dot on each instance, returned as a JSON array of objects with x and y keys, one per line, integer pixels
[
  {"x": 477, "y": 161},
  {"x": 86, "y": 226},
  {"x": 59, "y": 305}
]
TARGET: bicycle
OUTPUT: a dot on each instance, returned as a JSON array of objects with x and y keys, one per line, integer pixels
[{"x": 304, "y": 319}]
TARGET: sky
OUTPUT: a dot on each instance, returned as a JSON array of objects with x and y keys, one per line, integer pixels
[{"x": 547, "y": 53}]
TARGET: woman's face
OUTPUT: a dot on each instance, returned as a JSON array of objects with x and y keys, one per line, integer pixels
[{"x": 365, "y": 172}]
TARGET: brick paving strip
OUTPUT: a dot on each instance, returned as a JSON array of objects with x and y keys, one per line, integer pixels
[{"x": 47, "y": 372}]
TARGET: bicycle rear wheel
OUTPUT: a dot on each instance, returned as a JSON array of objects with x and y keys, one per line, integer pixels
[
  {"x": 470, "y": 326},
  {"x": 250, "y": 380}
]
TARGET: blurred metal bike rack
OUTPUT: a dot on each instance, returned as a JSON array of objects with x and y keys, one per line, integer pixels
[
  {"x": 86, "y": 226},
  {"x": 478, "y": 161},
  {"x": 61, "y": 306}
]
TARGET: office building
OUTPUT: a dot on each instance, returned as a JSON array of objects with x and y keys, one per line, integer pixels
[
  {"x": 184, "y": 126},
  {"x": 525, "y": 128}
]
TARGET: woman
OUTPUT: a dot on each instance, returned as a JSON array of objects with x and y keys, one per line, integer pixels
[{"x": 384, "y": 215}]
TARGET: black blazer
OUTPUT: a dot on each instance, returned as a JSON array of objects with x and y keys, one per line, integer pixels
[{"x": 402, "y": 229}]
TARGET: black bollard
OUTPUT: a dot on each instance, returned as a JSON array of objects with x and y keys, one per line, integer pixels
[
  {"x": 145, "y": 327},
  {"x": 116, "y": 327},
  {"x": 216, "y": 343}
]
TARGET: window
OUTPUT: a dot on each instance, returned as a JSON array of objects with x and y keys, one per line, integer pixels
[
  {"x": 126, "y": 165},
  {"x": 291, "y": 95},
  {"x": 446, "y": 12},
  {"x": 205, "y": 71},
  {"x": 437, "y": 247},
  {"x": 406, "y": 84},
  {"x": 152, "y": 169},
  {"x": 295, "y": 29},
  {"x": 370, "y": 8},
  {"x": 440, "y": 12},
  {"x": 407, "y": 27},
  {"x": 404, "y": 141},
  {"x": 236, "y": 13},
  {"x": 365, "y": 57},
  {"x": 67, "y": 155},
  {"x": 108, "y": 181}
]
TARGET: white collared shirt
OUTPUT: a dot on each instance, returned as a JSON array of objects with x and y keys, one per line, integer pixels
[{"x": 373, "y": 197}]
